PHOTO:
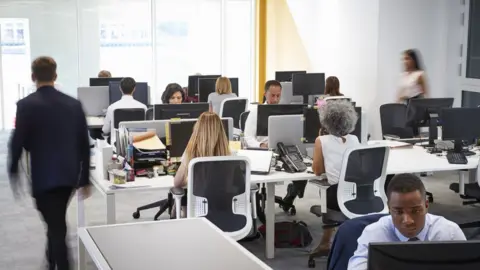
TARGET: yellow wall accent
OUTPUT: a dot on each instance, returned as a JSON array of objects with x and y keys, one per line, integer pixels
[
  {"x": 261, "y": 46},
  {"x": 285, "y": 49}
]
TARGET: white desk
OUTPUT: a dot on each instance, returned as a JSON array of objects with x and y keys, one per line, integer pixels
[
  {"x": 170, "y": 244},
  {"x": 95, "y": 122}
]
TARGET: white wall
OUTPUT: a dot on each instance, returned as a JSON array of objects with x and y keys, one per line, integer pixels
[{"x": 361, "y": 42}]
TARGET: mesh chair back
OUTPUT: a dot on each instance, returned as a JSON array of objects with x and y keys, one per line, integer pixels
[
  {"x": 393, "y": 118},
  {"x": 233, "y": 107},
  {"x": 243, "y": 119},
  {"x": 123, "y": 115},
  {"x": 149, "y": 114},
  {"x": 362, "y": 179},
  {"x": 219, "y": 190}
]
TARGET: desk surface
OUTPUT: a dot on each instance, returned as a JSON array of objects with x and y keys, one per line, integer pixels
[
  {"x": 170, "y": 244},
  {"x": 95, "y": 121}
]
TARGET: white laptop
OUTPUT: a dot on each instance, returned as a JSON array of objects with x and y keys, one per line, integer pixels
[{"x": 260, "y": 160}]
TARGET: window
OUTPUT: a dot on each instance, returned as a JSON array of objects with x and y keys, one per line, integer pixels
[{"x": 473, "y": 53}]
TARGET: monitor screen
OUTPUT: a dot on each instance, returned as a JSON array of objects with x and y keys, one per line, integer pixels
[
  {"x": 185, "y": 110},
  {"x": 266, "y": 110},
  {"x": 457, "y": 124},
  {"x": 104, "y": 81},
  {"x": 308, "y": 84},
  {"x": 140, "y": 94},
  {"x": 180, "y": 133},
  {"x": 206, "y": 86},
  {"x": 286, "y": 76},
  {"x": 193, "y": 83},
  {"x": 470, "y": 99},
  {"x": 311, "y": 125},
  {"x": 424, "y": 255},
  {"x": 234, "y": 82}
]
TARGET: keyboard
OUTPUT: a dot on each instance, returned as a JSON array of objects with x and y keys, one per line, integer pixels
[{"x": 456, "y": 158}]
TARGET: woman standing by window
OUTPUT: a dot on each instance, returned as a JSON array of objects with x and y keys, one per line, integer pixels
[{"x": 413, "y": 81}]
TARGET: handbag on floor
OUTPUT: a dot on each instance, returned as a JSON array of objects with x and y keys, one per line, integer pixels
[{"x": 290, "y": 234}]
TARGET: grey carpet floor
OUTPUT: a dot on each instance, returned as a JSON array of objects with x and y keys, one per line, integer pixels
[{"x": 22, "y": 237}]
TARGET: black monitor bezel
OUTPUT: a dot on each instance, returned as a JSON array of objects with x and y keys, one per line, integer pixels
[
  {"x": 199, "y": 108},
  {"x": 306, "y": 81},
  {"x": 265, "y": 107}
]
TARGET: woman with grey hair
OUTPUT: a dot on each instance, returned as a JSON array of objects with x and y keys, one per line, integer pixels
[{"x": 338, "y": 119}]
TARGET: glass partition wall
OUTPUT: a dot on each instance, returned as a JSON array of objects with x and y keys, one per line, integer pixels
[{"x": 154, "y": 41}]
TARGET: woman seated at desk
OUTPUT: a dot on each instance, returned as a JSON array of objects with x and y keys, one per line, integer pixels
[
  {"x": 208, "y": 139},
  {"x": 338, "y": 120},
  {"x": 223, "y": 90},
  {"x": 332, "y": 87},
  {"x": 173, "y": 94}
]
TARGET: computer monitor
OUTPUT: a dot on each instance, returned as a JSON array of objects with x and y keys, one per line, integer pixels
[
  {"x": 206, "y": 86},
  {"x": 470, "y": 99},
  {"x": 267, "y": 110},
  {"x": 286, "y": 76},
  {"x": 184, "y": 111},
  {"x": 308, "y": 84},
  {"x": 421, "y": 111},
  {"x": 193, "y": 83},
  {"x": 140, "y": 94},
  {"x": 311, "y": 125},
  {"x": 104, "y": 81},
  {"x": 419, "y": 255},
  {"x": 457, "y": 125},
  {"x": 180, "y": 133}
]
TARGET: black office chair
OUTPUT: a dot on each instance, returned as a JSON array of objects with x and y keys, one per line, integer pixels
[
  {"x": 360, "y": 190},
  {"x": 149, "y": 114},
  {"x": 243, "y": 119},
  {"x": 472, "y": 196},
  {"x": 233, "y": 107},
  {"x": 393, "y": 118}
]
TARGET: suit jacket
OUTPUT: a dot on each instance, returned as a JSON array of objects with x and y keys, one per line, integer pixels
[
  {"x": 345, "y": 241},
  {"x": 52, "y": 127}
]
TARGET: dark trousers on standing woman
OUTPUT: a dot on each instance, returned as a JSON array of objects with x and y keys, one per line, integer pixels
[{"x": 52, "y": 205}]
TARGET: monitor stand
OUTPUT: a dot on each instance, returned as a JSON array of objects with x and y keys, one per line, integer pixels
[
  {"x": 432, "y": 130},
  {"x": 305, "y": 99}
]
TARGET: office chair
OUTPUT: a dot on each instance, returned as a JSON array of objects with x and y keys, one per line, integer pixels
[
  {"x": 471, "y": 196},
  {"x": 233, "y": 107},
  {"x": 393, "y": 118},
  {"x": 243, "y": 119},
  {"x": 360, "y": 189},
  {"x": 219, "y": 190}
]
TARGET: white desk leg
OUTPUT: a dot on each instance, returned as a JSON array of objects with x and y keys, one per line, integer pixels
[
  {"x": 270, "y": 219},
  {"x": 82, "y": 264},
  {"x": 111, "y": 208},
  {"x": 462, "y": 181}
]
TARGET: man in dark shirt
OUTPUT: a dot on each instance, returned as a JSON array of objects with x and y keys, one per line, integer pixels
[{"x": 51, "y": 126}]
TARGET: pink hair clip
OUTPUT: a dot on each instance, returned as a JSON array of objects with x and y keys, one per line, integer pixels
[{"x": 321, "y": 102}]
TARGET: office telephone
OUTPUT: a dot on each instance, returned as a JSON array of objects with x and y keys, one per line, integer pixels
[{"x": 291, "y": 158}]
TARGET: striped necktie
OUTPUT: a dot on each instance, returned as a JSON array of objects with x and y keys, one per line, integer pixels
[{"x": 413, "y": 239}]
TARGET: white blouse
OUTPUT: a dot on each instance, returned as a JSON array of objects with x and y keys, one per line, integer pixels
[{"x": 409, "y": 86}]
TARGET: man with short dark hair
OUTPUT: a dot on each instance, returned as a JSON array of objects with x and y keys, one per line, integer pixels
[
  {"x": 52, "y": 127},
  {"x": 408, "y": 220},
  {"x": 273, "y": 92},
  {"x": 127, "y": 87}
]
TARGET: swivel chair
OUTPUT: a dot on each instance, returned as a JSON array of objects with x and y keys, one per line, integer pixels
[{"x": 360, "y": 189}]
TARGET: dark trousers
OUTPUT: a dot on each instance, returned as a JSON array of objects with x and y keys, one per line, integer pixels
[{"x": 52, "y": 205}]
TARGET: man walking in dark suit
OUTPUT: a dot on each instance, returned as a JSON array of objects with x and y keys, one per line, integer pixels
[{"x": 52, "y": 127}]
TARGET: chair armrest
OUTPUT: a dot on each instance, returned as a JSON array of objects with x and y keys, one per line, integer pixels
[
  {"x": 323, "y": 185},
  {"x": 254, "y": 188},
  {"x": 320, "y": 182},
  {"x": 177, "y": 195},
  {"x": 253, "y": 200},
  {"x": 177, "y": 192}
]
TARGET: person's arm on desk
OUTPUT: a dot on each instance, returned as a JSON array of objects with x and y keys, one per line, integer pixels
[
  {"x": 84, "y": 150},
  {"x": 107, "y": 124},
  {"x": 318, "y": 165},
  {"x": 251, "y": 131}
]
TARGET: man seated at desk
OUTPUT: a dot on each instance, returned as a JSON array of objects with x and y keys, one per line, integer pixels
[
  {"x": 127, "y": 86},
  {"x": 273, "y": 92},
  {"x": 408, "y": 220}
]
